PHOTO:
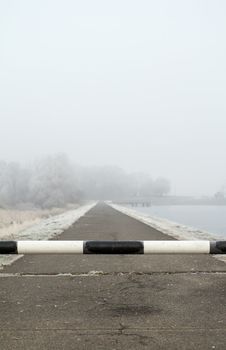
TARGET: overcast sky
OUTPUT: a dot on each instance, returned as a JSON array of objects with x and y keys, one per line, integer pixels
[{"x": 139, "y": 84}]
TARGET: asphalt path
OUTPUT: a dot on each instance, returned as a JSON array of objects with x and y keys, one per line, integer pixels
[{"x": 113, "y": 301}]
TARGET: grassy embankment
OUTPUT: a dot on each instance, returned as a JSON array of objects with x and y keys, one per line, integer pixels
[{"x": 13, "y": 221}]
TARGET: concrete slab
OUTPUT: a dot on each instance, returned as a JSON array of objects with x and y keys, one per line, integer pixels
[{"x": 144, "y": 309}]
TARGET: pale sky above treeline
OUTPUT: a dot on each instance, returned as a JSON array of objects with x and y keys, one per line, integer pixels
[{"x": 136, "y": 84}]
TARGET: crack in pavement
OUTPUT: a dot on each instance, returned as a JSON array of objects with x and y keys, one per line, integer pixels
[
  {"x": 121, "y": 330},
  {"x": 101, "y": 273}
]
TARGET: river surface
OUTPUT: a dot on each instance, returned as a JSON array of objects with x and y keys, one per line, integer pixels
[{"x": 209, "y": 218}]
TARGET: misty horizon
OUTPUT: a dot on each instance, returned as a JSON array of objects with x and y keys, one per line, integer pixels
[
  {"x": 140, "y": 86},
  {"x": 11, "y": 173}
]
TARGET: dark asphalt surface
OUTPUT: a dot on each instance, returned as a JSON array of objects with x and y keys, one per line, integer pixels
[{"x": 113, "y": 302}]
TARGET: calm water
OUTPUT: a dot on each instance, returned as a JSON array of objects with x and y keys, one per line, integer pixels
[{"x": 208, "y": 218}]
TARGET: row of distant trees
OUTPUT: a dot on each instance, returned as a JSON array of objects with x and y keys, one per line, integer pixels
[{"x": 54, "y": 181}]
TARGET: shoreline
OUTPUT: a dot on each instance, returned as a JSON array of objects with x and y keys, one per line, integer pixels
[
  {"x": 171, "y": 228},
  {"x": 166, "y": 226}
]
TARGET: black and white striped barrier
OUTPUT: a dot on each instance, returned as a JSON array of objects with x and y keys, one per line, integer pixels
[{"x": 112, "y": 247}]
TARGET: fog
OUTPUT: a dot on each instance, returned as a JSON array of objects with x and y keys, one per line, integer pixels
[{"x": 139, "y": 85}]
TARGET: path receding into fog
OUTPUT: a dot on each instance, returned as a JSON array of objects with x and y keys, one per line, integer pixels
[{"x": 113, "y": 302}]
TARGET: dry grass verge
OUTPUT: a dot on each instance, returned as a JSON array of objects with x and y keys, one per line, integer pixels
[{"x": 13, "y": 221}]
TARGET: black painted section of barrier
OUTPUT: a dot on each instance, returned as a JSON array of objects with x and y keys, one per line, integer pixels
[
  {"x": 113, "y": 247},
  {"x": 218, "y": 247},
  {"x": 8, "y": 247}
]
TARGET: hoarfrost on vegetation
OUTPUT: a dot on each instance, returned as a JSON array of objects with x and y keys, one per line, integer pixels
[
  {"x": 45, "y": 229},
  {"x": 13, "y": 221},
  {"x": 54, "y": 181}
]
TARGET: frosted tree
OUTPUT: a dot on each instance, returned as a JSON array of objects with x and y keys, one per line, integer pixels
[
  {"x": 53, "y": 182},
  {"x": 13, "y": 184}
]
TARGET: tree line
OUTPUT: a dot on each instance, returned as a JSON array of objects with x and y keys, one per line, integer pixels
[{"x": 54, "y": 181}]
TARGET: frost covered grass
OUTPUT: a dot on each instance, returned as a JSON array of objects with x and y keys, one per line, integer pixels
[
  {"x": 14, "y": 221},
  {"x": 41, "y": 227}
]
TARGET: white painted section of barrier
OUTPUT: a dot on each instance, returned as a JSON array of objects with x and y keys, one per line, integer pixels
[
  {"x": 176, "y": 247},
  {"x": 50, "y": 247}
]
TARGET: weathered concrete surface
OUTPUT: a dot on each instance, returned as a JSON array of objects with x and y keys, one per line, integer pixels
[{"x": 133, "y": 302}]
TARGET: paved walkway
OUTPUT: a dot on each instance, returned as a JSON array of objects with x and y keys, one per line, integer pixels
[{"x": 113, "y": 302}]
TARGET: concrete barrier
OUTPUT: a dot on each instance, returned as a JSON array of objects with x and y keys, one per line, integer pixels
[{"x": 112, "y": 247}]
